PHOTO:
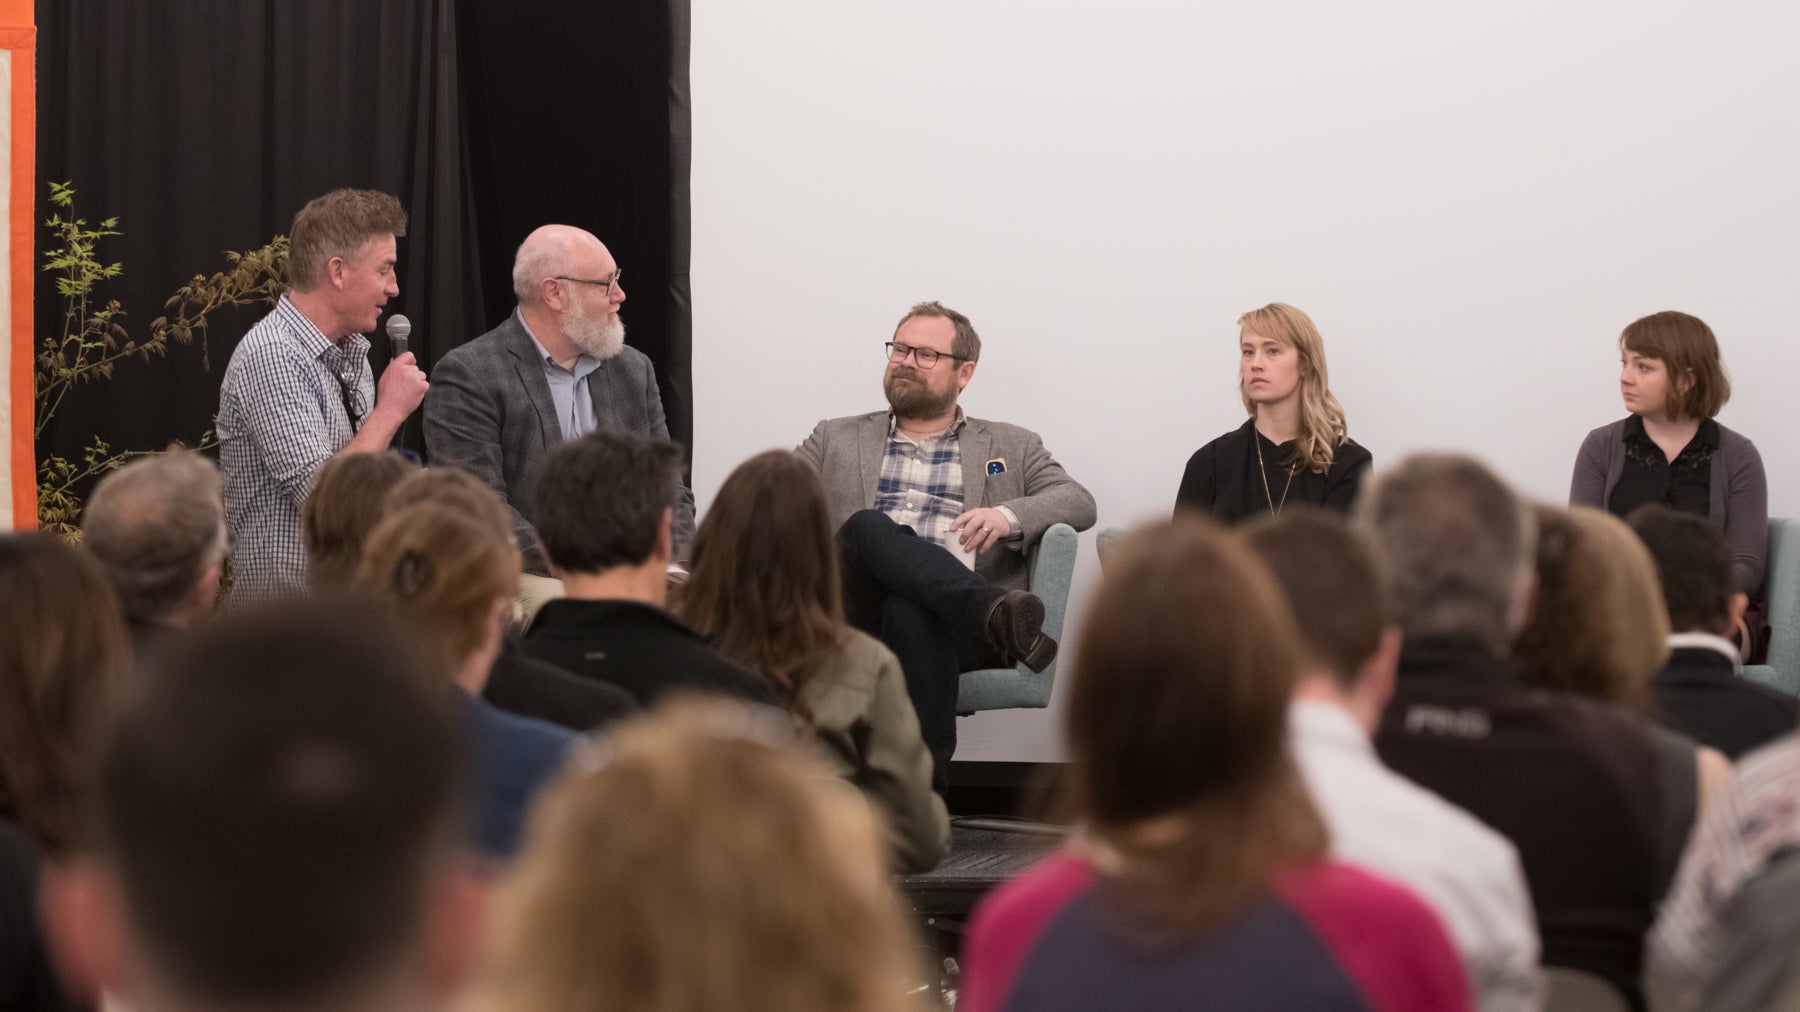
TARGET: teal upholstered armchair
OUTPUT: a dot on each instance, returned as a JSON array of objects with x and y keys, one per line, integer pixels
[
  {"x": 1783, "y": 599},
  {"x": 1052, "y": 570}
]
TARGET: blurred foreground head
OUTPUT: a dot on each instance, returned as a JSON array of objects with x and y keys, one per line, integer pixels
[
  {"x": 1460, "y": 548},
  {"x": 697, "y": 860},
  {"x": 1177, "y": 727},
  {"x": 275, "y": 821}
]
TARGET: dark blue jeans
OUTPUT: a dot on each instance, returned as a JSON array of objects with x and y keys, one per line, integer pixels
[{"x": 929, "y": 609}]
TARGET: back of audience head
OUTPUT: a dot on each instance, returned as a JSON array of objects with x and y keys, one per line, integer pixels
[
  {"x": 450, "y": 574},
  {"x": 765, "y": 586},
  {"x": 1685, "y": 345},
  {"x": 1599, "y": 628},
  {"x": 607, "y": 500},
  {"x": 346, "y": 502},
  {"x": 1458, "y": 543},
  {"x": 1337, "y": 591},
  {"x": 61, "y": 662},
  {"x": 744, "y": 878},
  {"x": 158, "y": 528},
  {"x": 1694, "y": 569},
  {"x": 449, "y": 485},
  {"x": 1177, "y": 726},
  {"x": 275, "y": 822}
]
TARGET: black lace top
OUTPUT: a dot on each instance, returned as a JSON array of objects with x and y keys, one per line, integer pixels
[{"x": 1684, "y": 483}]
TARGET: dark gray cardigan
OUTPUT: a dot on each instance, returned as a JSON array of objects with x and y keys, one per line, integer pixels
[{"x": 1740, "y": 494}]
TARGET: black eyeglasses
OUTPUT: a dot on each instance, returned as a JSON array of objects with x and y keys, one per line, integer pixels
[
  {"x": 897, "y": 352},
  {"x": 607, "y": 284}
]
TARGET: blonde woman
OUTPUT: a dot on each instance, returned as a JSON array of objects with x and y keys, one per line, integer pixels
[
  {"x": 1599, "y": 629},
  {"x": 450, "y": 574},
  {"x": 696, "y": 859},
  {"x": 1294, "y": 447}
]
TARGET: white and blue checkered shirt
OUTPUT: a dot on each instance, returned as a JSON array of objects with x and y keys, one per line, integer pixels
[
  {"x": 922, "y": 482},
  {"x": 282, "y": 415}
]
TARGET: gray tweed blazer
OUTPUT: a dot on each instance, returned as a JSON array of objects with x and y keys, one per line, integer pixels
[
  {"x": 489, "y": 411},
  {"x": 848, "y": 453}
]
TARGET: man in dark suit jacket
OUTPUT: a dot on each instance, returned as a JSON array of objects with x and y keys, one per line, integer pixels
[
  {"x": 557, "y": 368},
  {"x": 1701, "y": 690},
  {"x": 605, "y": 506},
  {"x": 937, "y": 511}
]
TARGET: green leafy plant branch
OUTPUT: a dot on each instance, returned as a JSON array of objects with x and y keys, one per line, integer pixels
[{"x": 91, "y": 340}]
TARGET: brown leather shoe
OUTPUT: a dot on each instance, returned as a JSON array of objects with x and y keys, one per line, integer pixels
[{"x": 1015, "y": 627}]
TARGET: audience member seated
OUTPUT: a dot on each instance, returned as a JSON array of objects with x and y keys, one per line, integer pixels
[
  {"x": 1599, "y": 629},
  {"x": 1753, "y": 822},
  {"x": 158, "y": 528},
  {"x": 1384, "y": 822},
  {"x": 275, "y": 823},
  {"x": 1701, "y": 691},
  {"x": 1670, "y": 450},
  {"x": 1295, "y": 447},
  {"x": 1200, "y": 879},
  {"x": 517, "y": 683},
  {"x": 696, "y": 860},
  {"x": 765, "y": 589},
  {"x": 60, "y": 666},
  {"x": 450, "y": 577},
  {"x": 605, "y": 502},
  {"x": 1573, "y": 782},
  {"x": 347, "y": 501}
]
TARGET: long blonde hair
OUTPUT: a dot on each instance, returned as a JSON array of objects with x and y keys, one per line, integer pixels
[
  {"x": 1322, "y": 427},
  {"x": 696, "y": 859}
]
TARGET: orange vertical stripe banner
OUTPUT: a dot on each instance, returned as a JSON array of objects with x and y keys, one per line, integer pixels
[{"x": 18, "y": 41}]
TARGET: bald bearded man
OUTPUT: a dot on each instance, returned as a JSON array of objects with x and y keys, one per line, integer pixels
[{"x": 558, "y": 368}]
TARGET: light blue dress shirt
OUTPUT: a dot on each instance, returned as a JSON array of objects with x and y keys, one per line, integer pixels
[{"x": 568, "y": 388}]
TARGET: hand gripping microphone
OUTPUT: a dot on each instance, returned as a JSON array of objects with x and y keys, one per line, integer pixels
[{"x": 399, "y": 328}]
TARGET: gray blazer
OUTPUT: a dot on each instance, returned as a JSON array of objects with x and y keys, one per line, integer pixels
[
  {"x": 849, "y": 451},
  {"x": 489, "y": 411}
]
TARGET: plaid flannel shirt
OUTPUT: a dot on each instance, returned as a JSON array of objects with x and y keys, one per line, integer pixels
[
  {"x": 281, "y": 417},
  {"x": 921, "y": 482}
]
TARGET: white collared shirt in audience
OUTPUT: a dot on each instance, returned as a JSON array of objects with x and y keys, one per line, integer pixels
[
  {"x": 1464, "y": 870},
  {"x": 1737, "y": 834}
]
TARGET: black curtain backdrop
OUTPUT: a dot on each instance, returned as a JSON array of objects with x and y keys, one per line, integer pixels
[{"x": 205, "y": 127}]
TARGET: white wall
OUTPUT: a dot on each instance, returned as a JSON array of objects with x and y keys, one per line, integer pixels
[{"x": 1470, "y": 202}]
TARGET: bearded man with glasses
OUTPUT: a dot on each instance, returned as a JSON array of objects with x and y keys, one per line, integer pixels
[
  {"x": 557, "y": 368},
  {"x": 937, "y": 511}
]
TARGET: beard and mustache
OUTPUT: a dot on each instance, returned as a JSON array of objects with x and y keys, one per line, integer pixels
[
  {"x": 910, "y": 395},
  {"x": 593, "y": 335}
]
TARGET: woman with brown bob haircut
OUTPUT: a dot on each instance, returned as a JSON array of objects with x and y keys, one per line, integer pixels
[
  {"x": 765, "y": 588},
  {"x": 695, "y": 859},
  {"x": 1671, "y": 450},
  {"x": 1295, "y": 446},
  {"x": 1199, "y": 877},
  {"x": 1599, "y": 629}
]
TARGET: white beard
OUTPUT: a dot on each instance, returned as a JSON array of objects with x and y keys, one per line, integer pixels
[{"x": 596, "y": 337}]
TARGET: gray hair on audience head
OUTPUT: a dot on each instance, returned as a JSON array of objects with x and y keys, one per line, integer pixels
[
  {"x": 1459, "y": 544},
  {"x": 155, "y": 525}
]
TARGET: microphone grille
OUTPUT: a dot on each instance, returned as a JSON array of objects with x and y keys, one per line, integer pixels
[{"x": 399, "y": 327}]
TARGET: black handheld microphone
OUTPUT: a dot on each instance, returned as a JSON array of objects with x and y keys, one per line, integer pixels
[{"x": 399, "y": 328}]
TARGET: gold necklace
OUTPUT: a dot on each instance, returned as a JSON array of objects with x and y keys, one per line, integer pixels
[{"x": 1274, "y": 507}]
